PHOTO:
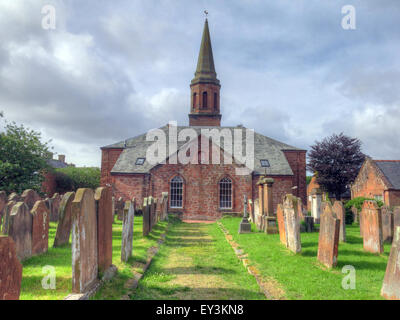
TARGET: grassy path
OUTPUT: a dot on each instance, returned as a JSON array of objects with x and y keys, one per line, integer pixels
[
  {"x": 301, "y": 276},
  {"x": 196, "y": 262}
]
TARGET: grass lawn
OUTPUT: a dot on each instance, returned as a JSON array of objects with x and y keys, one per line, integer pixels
[
  {"x": 301, "y": 276},
  {"x": 196, "y": 262},
  {"x": 61, "y": 259}
]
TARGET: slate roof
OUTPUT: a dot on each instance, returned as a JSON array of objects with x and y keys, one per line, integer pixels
[
  {"x": 391, "y": 170},
  {"x": 57, "y": 164},
  {"x": 264, "y": 148}
]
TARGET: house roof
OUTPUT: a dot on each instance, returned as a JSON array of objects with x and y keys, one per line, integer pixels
[
  {"x": 264, "y": 148},
  {"x": 391, "y": 170},
  {"x": 57, "y": 164}
]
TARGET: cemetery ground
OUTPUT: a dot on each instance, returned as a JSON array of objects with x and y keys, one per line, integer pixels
[{"x": 60, "y": 258}]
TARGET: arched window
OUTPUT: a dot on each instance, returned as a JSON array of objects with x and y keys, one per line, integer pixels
[
  {"x": 215, "y": 101},
  {"x": 204, "y": 100},
  {"x": 194, "y": 100},
  {"x": 176, "y": 191},
  {"x": 225, "y": 193}
]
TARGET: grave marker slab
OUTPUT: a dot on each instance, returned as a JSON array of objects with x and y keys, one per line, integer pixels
[
  {"x": 372, "y": 227},
  {"x": 328, "y": 237},
  {"x": 64, "y": 220},
  {"x": 103, "y": 197},
  {"x": 20, "y": 230},
  {"x": 391, "y": 283},
  {"x": 281, "y": 224},
  {"x": 127, "y": 230},
  {"x": 387, "y": 225},
  {"x": 292, "y": 224},
  {"x": 29, "y": 197},
  {"x": 146, "y": 217},
  {"x": 10, "y": 270},
  {"x": 54, "y": 207},
  {"x": 84, "y": 241},
  {"x": 340, "y": 213},
  {"x": 40, "y": 227}
]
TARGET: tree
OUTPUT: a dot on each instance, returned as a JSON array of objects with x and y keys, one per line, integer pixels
[
  {"x": 22, "y": 158},
  {"x": 337, "y": 160}
]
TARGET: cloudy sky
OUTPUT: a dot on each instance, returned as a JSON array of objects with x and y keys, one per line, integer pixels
[{"x": 115, "y": 69}]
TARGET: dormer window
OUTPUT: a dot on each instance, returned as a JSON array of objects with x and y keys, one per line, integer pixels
[
  {"x": 264, "y": 163},
  {"x": 140, "y": 161}
]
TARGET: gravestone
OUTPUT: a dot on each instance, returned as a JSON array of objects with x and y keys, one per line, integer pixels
[
  {"x": 103, "y": 197},
  {"x": 64, "y": 220},
  {"x": 309, "y": 224},
  {"x": 40, "y": 227},
  {"x": 150, "y": 204},
  {"x": 251, "y": 210},
  {"x": 387, "y": 225},
  {"x": 29, "y": 197},
  {"x": 396, "y": 217},
  {"x": 84, "y": 241},
  {"x": 245, "y": 226},
  {"x": 14, "y": 197},
  {"x": 355, "y": 214},
  {"x": 164, "y": 207},
  {"x": 391, "y": 283},
  {"x": 340, "y": 213},
  {"x": 20, "y": 230},
  {"x": 10, "y": 270},
  {"x": 6, "y": 216},
  {"x": 372, "y": 227},
  {"x": 119, "y": 207},
  {"x": 54, "y": 206},
  {"x": 257, "y": 214},
  {"x": 3, "y": 201},
  {"x": 292, "y": 223},
  {"x": 127, "y": 230},
  {"x": 281, "y": 224},
  {"x": 146, "y": 217},
  {"x": 328, "y": 241}
]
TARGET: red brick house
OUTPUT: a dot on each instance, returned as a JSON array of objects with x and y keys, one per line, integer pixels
[
  {"x": 203, "y": 190},
  {"x": 49, "y": 184},
  {"x": 380, "y": 180}
]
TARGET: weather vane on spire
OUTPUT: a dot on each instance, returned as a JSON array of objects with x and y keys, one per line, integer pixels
[{"x": 206, "y": 13}]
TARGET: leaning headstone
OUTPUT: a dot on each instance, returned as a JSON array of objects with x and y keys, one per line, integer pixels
[
  {"x": 55, "y": 207},
  {"x": 103, "y": 197},
  {"x": 372, "y": 227},
  {"x": 127, "y": 230},
  {"x": 20, "y": 230},
  {"x": 84, "y": 241},
  {"x": 391, "y": 283},
  {"x": 340, "y": 213},
  {"x": 292, "y": 223},
  {"x": 387, "y": 225},
  {"x": 29, "y": 197},
  {"x": 10, "y": 270},
  {"x": 64, "y": 220},
  {"x": 146, "y": 217},
  {"x": 281, "y": 224},
  {"x": 40, "y": 227},
  {"x": 328, "y": 241}
]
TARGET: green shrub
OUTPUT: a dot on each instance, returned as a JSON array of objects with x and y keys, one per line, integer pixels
[
  {"x": 357, "y": 202},
  {"x": 72, "y": 178}
]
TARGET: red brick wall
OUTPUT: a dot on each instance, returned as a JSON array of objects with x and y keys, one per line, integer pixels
[
  {"x": 108, "y": 159},
  {"x": 297, "y": 161},
  {"x": 49, "y": 184},
  {"x": 129, "y": 186},
  {"x": 369, "y": 183},
  {"x": 392, "y": 198}
]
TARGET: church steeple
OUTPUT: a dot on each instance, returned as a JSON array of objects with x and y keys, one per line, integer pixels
[{"x": 205, "y": 87}]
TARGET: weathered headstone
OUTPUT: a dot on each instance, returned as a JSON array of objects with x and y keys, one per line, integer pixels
[
  {"x": 245, "y": 226},
  {"x": 391, "y": 283},
  {"x": 29, "y": 197},
  {"x": 40, "y": 227},
  {"x": 6, "y": 216},
  {"x": 54, "y": 207},
  {"x": 103, "y": 197},
  {"x": 14, "y": 197},
  {"x": 355, "y": 214},
  {"x": 20, "y": 230},
  {"x": 119, "y": 207},
  {"x": 396, "y": 217},
  {"x": 292, "y": 223},
  {"x": 164, "y": 206},
  {"x": 328, "y": 237},
  {"x": 3, "y": 201},
  {"x": 281, "y": 224},
  {"x": 251, "y": 210},
  {"x": 309, "y": 224},
  {"x": 84, "y": 241},
  {"x": 146, "y": 217},
  {"x": 10, "y": 270},
  {"x": 64, "y": 220},
  {"x": 340, "y": 213},
  {"x": 372, "y": 227},
  {"x": 127, "y": 230},
  {"x": 150, "y": 204},
  {"x": 387, "y": 225}
]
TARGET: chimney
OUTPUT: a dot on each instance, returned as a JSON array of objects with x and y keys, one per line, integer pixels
[{"x": 61, "y": 157}]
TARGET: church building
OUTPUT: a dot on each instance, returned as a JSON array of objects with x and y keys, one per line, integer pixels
[{"x": 204, "y": 190}]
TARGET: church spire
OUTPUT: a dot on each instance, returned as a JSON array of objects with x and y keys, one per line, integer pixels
[
  {"x": 205, "y": 87},
  {"x": 205, "y": 70}
]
